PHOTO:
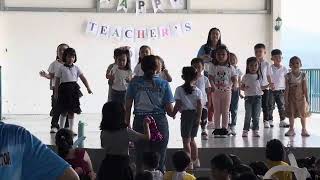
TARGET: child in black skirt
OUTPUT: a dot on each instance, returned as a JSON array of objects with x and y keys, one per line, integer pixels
[
  {"x": 53, "y": 68},
  {"x": 68, "y": 92}
]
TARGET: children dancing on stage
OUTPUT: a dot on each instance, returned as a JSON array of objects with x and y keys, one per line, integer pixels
[{"x": 67, "y": 90}]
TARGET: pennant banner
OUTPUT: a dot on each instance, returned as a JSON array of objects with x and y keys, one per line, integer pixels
[
  {"x": 176, "y": 3},
  {"x": 157, "y": 6},
  {"x": 105, "y": 1},
  {"x": 123, "y": 4},
  {"x": 131, "y": 34},
  {"x": 141, "y": 7}
]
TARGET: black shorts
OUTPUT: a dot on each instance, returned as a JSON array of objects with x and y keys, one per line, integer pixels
[{"x": 189, "y": 125}]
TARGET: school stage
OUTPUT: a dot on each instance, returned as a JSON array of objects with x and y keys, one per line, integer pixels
[{"x": 249, "y": 149}]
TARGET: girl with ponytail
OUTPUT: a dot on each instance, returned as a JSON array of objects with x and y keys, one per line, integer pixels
[
  {"x": 77, "y": 158},
  {"x": 152, "y": 96},
  {"x": 188, "y": 101}
]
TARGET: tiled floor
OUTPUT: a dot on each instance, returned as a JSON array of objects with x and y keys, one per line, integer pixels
[{"x": 39, "y": 125}]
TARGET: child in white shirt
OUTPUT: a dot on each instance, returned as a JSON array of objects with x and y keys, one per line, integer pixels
[
  {"x": 278, "y": 77},
  {"x": 204, "y": 85},
  {"x": 120, "y": 75}
]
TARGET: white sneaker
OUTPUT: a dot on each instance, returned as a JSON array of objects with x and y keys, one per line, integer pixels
[
  {"x": 210, "y": 125},
  {"x": 255, "y": 133},
  {"x": 53, "y": 130},
  {"x": 232, "y": 131},
  {"x": 283, "y": 124},
  {"x": 271, "y": 123},
  {"x": 244, "y": 133},
  {"x": 196, "y": 163},
  {"x": 266, "y": 124}
]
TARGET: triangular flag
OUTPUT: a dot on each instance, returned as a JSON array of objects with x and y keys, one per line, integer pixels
[
  {"x": 123, "y": 4},
  {"x": 157, "y": 5},
  {"x": 105, "y": 1},
  {"x": 176, "y": 3},
  {"x": 141, "y": 7}
]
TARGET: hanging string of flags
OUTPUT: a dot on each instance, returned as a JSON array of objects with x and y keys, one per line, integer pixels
[
  {"x": 157, "y": 5},
  {"x": 131, "y": 34}
]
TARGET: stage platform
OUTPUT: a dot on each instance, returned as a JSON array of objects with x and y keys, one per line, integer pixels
[{"x": 249, "y": 149}]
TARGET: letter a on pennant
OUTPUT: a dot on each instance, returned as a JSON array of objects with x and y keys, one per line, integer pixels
[{"x": 123, "y": 4}]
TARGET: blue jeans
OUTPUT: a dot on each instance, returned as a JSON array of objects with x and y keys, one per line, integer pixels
[
  {"x": 147, "y": 146},
  {"x": 253, "y": 110},
  {"x": 234, "y": 107}
]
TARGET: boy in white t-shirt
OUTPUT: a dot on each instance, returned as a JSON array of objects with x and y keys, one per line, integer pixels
[
  {"x": 204, "y": 85},
  {"x": 278, "y": 77},
  {"x": 265, "y": 68}
]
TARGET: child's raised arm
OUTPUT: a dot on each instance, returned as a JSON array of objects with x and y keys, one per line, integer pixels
[
  {"x": 136, "y": 136},
  {"x": 46, "y": 75},
  {"x": 85, "y": 82}
]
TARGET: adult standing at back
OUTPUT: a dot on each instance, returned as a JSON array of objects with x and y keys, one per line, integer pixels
[
  {"x": 206, "y": 53},
  {"x": 152, "y": 96}
]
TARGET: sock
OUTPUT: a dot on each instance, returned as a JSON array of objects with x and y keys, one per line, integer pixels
[
  {"x": 62, "y": 121},
  {"x": 71, "y": 122}
]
